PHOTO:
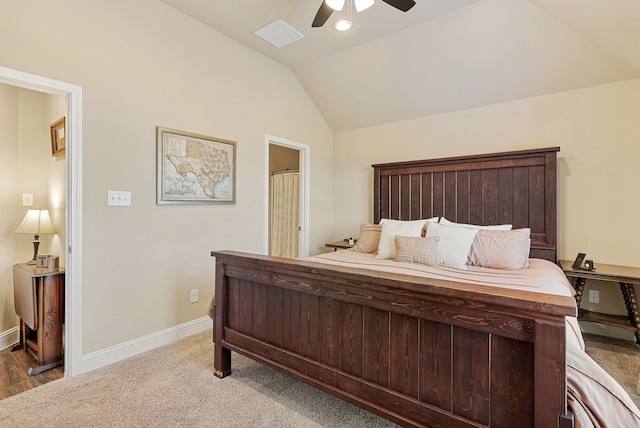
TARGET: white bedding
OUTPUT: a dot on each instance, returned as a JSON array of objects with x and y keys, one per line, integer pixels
[
  {"x": 542, "y": 276},
  {"x": 595, "y": 398}
]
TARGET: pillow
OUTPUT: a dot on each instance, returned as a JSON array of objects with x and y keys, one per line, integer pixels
[
  {"x": 454, "y": 245},
  {"x": 368, "y": 239},
  {"x": 501, "y": 249},
  {"x": 429, "y": 220},
  {"x": 391, "y": 228},
  {"x": 475, "y": 226},
  {"x": 415, "y": 249}
]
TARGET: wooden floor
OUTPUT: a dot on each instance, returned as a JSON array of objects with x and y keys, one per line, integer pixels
[{"x": 13, "y": 373}]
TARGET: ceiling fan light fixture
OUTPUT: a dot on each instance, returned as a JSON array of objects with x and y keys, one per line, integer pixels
[
  {"x": 335, "y": 4},
  {"x": 363, "y": 4},
  {"x": 343, "y": 25}
]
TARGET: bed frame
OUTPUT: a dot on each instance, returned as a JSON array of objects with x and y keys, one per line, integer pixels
[{"x": 417, "y": 352}]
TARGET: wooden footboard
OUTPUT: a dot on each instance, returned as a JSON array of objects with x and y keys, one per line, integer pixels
[{"x": 417, "y": 352}]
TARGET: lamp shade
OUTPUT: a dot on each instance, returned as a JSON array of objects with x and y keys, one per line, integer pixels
[
  {"x": 36, "y": 222},
  {"x": 363, "y": 4},
  {"x": 335, "y": 4}
]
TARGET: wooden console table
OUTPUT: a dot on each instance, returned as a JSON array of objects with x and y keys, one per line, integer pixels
[
  {"x": 39, "y": 302},
  {"x": 625, "y": 276}
]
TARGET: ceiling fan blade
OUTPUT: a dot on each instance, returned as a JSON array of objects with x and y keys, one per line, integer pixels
[
  {"x": 323, "y": 14},
  {"x": 403, "y": 5}
]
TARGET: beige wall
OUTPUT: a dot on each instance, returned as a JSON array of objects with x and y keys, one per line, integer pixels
[
  {"x": 9, "y": 215},
  {"x": 283, "y": 158},
  {"x": 55, "y": 108},
  {"x": 597, "y": 129},
  {"x": 142, "y": 64}
]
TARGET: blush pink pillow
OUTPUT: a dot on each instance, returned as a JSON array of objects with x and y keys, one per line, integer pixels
[{"x": 500, "y": 249}]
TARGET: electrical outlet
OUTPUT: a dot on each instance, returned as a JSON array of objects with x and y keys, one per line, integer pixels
[
  {"x": 594, "y": 296},
  {"x": 194, "y": 295}
]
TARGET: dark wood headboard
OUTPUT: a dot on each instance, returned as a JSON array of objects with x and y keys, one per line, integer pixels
[{"x": 517, "y": 187}]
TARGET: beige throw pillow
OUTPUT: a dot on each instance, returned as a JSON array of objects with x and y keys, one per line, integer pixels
[
  {"x": 368, "y": 239},
  {"x": 415, "y": 249}
]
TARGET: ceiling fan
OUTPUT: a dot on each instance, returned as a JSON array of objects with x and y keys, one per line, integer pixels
[{"x": 328, "y": 6}]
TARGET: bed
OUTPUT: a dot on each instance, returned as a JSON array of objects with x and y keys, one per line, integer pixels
[{"x": 439, "y": 350}]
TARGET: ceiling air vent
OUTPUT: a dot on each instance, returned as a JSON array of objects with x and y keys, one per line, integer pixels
[{"x": 278, "y": 33}]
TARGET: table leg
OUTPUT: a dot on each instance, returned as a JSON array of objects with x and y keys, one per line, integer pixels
[
  {"x": 631, "y": 302},
  {"x": 22, "y": 344},
  {"x": 579, "y": 290}
]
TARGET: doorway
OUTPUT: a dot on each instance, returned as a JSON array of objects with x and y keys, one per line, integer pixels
[
  {"x": 73, "y": 160},
  {"x": 287, "y": 164}
]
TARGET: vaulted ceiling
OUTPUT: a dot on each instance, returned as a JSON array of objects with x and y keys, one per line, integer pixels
[{"x": 442, "y": 55}]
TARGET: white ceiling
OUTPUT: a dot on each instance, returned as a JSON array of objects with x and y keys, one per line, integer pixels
[{"x": 442, "y": 55}]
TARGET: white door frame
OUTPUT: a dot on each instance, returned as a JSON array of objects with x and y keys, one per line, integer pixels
[
  {"x": 73, "y": 159},
  {"x": 304, "y": 156}
]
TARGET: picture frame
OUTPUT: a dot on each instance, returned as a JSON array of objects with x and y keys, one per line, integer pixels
[
  {"x": 58, "y": 137},
  {"x": 194, "y": 168}
]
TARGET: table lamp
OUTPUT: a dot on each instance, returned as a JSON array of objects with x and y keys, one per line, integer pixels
[{"x": 36, "y": 222}]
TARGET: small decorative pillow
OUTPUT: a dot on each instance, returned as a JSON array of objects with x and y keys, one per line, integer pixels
[
  {"x": 475, "y": 226},
  {"x": 391, "y": 228},
  {"x": 454, "y": 245},
  {"x": 369, "y": 238},
  {"x": 415, "y": 249},
  {"x": 501, "y": 249}
]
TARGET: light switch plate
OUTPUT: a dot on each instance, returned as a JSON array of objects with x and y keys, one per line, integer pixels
[
  {"x": 27, "y": 199},
  {"x": 117, "y": 198}
]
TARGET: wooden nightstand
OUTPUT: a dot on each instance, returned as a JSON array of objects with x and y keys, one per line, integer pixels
[
  {"x": 626, "y": 277},
  {"x": 39, "y": 302},
  {"x": 340, "y": 245}
]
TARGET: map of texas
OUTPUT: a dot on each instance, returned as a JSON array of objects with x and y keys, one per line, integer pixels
[{"x": 209, "y": 165}]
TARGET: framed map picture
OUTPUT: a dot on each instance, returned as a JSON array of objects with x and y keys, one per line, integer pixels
[{"x": 194, "y": 169}]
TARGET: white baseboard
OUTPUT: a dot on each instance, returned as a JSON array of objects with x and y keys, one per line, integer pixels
[
  {"x": 104, "y": 357},
  {"x": 9, "y": 337}
]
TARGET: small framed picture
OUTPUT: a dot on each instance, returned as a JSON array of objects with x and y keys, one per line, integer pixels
[
  {"x": 42, "y": 260},
  {"x": 53, "y": 263},
  {"x": 58, "y": 137}
]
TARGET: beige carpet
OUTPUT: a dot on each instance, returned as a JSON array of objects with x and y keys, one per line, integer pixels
[
  {"x": 174, "y": 386},
  {"x": 620, "y": 358}
]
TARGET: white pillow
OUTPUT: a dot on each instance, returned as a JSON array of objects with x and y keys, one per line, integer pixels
[
  {"x": 454, "y": 245},
  {"x": 429, "y": 221},
  {"x": 475, "y": 226},
  {"x": 391, "y": 228}
]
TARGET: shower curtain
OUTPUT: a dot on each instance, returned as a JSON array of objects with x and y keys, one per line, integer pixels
[{"x": 285, "y": 213}]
